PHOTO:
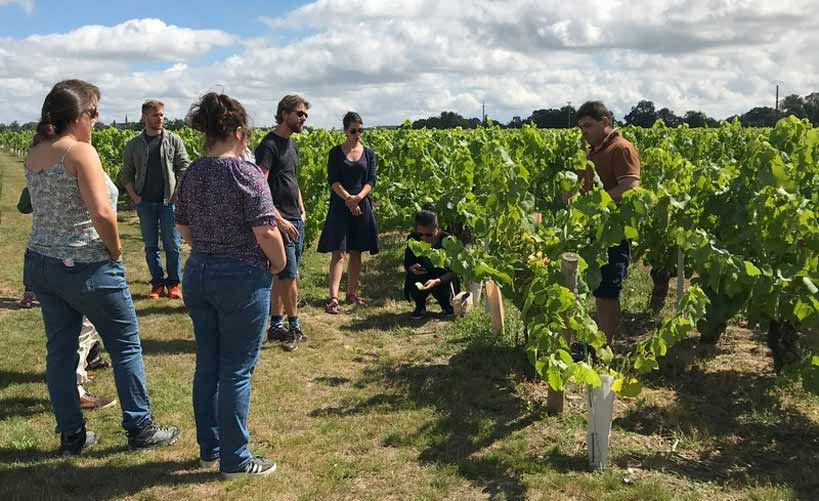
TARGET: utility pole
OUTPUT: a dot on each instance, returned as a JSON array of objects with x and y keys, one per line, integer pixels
[
  {"x": 483, "y": 112},
  {"x": 778, "y": 83},
  {"x": 569, "y": 114}
]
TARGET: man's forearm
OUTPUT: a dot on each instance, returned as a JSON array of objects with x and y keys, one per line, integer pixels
[{"x": 129, "y": 187}]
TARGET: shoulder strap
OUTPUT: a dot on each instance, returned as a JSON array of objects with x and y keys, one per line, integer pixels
[{"x": 67, "y": 150}]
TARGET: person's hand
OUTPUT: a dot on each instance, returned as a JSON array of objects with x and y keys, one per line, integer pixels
[
  {"x": 431, "y": 284},
  {"x": 352, "y": 202},
  {"x": 136, "y": 199},
  {"x": 417, "y": 269},
  {"x": 288, "y": 229},
  {"x": 356, "y": 211},
  {"x": 115, "y": 255},
  {"x": 303, "y": 217}
]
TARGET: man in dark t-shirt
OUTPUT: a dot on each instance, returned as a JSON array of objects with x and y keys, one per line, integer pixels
[
  {"x": 152, "y": 163},
  {"x": 278, "y": 155}
]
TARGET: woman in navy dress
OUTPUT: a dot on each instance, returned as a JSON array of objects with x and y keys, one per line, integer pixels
[{"x": 350, "y": 226}]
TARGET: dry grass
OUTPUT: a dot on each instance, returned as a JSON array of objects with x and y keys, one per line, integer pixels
[{"x": 380, "y": 407}]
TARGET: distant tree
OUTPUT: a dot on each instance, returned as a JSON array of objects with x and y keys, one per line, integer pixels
[
  {"x": 515, "y": 123},
  {"x": 669, "y": 117},
  {"x": 175, "y": 124},
  {"x": 447, "y": 120},
  {"x": 761, "y": 116},
  {"x": 553, "y": 118},
  {"x": 698, "y": 119},
  {"x": 812, "y": 108},
  {"x": 642, "y": 114},
  {"x": 793, "y": 105}
]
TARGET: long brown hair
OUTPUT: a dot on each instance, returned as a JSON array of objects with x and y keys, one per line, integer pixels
[{"x": 63, "y": 105}]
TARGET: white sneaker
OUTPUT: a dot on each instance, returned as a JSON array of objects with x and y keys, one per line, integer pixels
[{"x": 204, "y": 463}]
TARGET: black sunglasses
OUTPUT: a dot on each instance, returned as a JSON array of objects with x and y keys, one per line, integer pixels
[
  {"x": 426, "y": 234},
  {"x": 302, "y": 114},
  {"x": 356, "y": 131},
  {"x": 93, "y": 113}
]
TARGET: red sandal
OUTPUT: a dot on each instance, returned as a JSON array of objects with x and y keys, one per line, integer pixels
[
  {"x": 354, "y": 298},
  {"x": 332, "y": 306}
]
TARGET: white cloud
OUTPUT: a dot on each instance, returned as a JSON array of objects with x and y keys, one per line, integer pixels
[
  {"x": 26, "y": 5},
  {"x": 392, "y": 60}
]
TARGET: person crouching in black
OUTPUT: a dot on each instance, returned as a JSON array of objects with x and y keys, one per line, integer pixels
[{"x": 436, "y": 281}]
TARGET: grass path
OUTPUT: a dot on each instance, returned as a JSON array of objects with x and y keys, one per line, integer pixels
[{"x": 380, "y": 407}]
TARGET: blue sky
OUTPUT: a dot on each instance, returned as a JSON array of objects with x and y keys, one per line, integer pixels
[
  {"x": 392, "y": 60},
  {"x": 54, "y": 16}
]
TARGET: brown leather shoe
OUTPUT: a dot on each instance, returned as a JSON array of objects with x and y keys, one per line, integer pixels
[{"x": 91, "y": 402}]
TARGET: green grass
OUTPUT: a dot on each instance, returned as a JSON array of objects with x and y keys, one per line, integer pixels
[{"x": 380, "y": 407}]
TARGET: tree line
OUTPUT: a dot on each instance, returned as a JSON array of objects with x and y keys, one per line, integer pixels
[{"x": 643, "y": 114}]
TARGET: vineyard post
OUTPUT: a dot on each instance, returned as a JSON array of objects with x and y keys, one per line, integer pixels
[
  {"x": 568, "y": 279},
  {"x": 680, "y": 276}
]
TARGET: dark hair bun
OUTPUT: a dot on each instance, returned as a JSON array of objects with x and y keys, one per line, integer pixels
[{"x": 217, "y": 116}]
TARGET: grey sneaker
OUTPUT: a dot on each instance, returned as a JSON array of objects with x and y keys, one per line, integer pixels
[
  {"x": 256, "y": 466},
  {"x": 276, "y": 334},
  {"x": 73, "y": 444},
  {"x": 291, "y": 342},
  {"x": 152, "y": 436},
  {"x": 208, "y": 463}
]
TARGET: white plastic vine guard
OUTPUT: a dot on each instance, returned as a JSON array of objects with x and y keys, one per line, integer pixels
[
  {"x": 475, "y": 289},
  {"x": 600, "y": 402}
]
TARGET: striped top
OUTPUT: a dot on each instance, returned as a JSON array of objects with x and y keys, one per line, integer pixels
[{"x": 61, "y": 227}]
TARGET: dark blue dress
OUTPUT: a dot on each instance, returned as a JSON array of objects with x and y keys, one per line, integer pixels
[{"x": 343, "y": 231}]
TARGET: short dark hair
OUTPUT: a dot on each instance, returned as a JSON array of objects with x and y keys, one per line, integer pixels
[
  {"x": 595, "y": 110},
  {"x": 426, "y": 218},
  {"x": 218, "y": 116},
  {"x": 350, "y": 118},
  {"x": 152, "y": 105},
  {"x": 288, "y": 104}
]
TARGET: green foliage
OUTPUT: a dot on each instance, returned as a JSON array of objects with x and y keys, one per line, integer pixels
[{"x": 741, "y": 203}]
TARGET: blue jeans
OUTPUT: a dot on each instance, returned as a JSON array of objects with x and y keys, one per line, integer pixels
[
  {"x": 228, "y": 302},
  {"x": 155, "y": 219},
  {"x": 98, "y": 291},
  {"x": 292, "y": 251}
]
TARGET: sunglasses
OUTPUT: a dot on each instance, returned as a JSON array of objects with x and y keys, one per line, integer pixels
[
  {"x": 356, "y": 131},
  {"x": 93, "y": 113},
  {"x": 301, "y": 114},
  {"x": 426, "y": 235}
]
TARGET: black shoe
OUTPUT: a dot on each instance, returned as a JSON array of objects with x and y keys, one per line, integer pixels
[
  {"x": 276, "y": 334},
  {"x": 582, "y": 351},
  {"x": 302, "y": 337},
  {"x": 256, "y": 466},
  {"x": 291, "y": 342},
  {"x": 152, "y": 436},
  {"x": 418, "y": 313},
  {"x": 73, "y": 444}
]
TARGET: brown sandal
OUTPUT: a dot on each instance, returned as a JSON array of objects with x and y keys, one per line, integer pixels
[
  {"x": 352, "y": 297},
  {"x": 332, "y": 306}
]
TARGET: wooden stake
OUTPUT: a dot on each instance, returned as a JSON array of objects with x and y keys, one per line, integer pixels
[{"x": 568, "y": 279}]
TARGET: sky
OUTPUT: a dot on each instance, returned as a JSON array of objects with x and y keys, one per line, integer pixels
[{"x": 392, "y": 60}]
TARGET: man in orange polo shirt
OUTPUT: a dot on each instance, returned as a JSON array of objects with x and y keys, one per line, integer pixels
[{"x": 617, "y": 163}]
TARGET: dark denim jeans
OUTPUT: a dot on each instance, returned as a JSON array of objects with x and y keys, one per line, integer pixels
[
  {"x": 157, "y": 219},
  {"x": 228, "y": 301},
  {"x": 98, "y": 291}
]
